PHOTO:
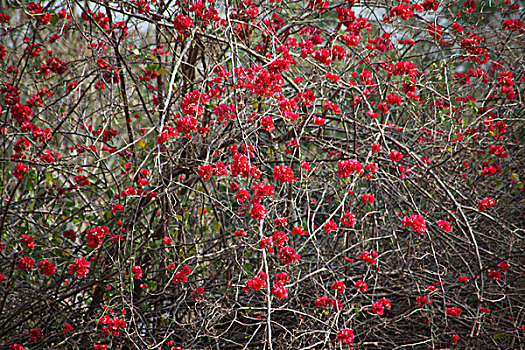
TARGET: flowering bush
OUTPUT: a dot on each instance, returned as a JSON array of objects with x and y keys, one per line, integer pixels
[{"x": 261, "y": 174}]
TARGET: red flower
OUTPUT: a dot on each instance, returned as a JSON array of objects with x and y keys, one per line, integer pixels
[
  {"x": 434, "y": 31},
  {"x": 28, "y": 241},
  {"x": 256, "y": 283},
  {"x": 299, "y": 230},
  {"x": 347, "y": 167},
  {"x": 82, "y": 180},
  {"x": 198, "y": 294},
  {"x": 187, "y": 124},
  {"x": 112, "y": 325},
  {"x": 261, "y": 190},
  {"x": 335, "y": 78},
  {"x": 307, "y": 98},
  {"x": 368, "y": 198},
  {"x": 328, "y": 302},
  {"x": 422, "y": 300},
  {"x": 383, "y": 108},
  {"x": 416, "y": 222},
  {"x": 334, "y": 107},
  {"x": 330, "y": 226},
  {"x": 283, "y": 174},
  {"x": 454, "y": 311},
  {"x": 288, "y": 255},
  {"x": 204, "y": 172},
  {"x": 281, "y": 222},
  {"x": 402, "y": 10},
  {"x": 79, "y": 268},
  {"x": 426, "y": 160},
  {"x": 305, "y": 165},
  {"x": 495, "y": 275},
  {"x": 266, "y": 243},
  {"x": 16, "y": 347},
  {"x": 180, "y": 277},
  {"x": 242, "y": 195},
  {"x": 35, "y": 333},
  {"x": 347, "y": 219},
  {"x": 386, "y": 302},
  {"x": 239, "y": 233},
  {"x": 371, "y": 114},
  {"x": 485, "y": 310},
  {"x": 47, "y": 267},
  {"x": 280, "y": 291},
  {"x": 367, "y": 258},
  {"x": 142, "y": 182},
  {"x": 95, "y": 236},
  {"x": 258, "y": 211},
  {"x": 513, "y": 25},
  {"x": 26, "y": 263},
  {"x": 498, "y": 151},
  {"x": 56, "y": 65},
  {"x": 396, "y": 156},
  {"x": 485, "y": 203},
  {"x": 455, "y": 338},
  {"x": 37, "y": 11},
  {"x": 361, "y": 286},
  {"x": 182, "y": 23},
  {"x": 137, "y": 272},
  {"x": 67, "y": 328},
  {"x": 163, "y": 137},
  {"x": 380, "y": 306},
  {"x": 267, "y": 123},
  {"x": 49, "y": 156},
  {"x": 346, "y": 336},
  {"x": 339, "y": 286},
  {"x": 463, "y": 279},
  {"x": 282, "y": 277},
  {"x": 70, "y": 234},
  {"x": 116, "y": 207},
  {"x": 373, "y": 167},
  {"x": 166, "y": 241},
  {"x": 444, "y": 225},
  {"x": 503, "y": 266},
  {"x": 318, "y": 120},
  {"x": 279, "y": 238},
  {"x": 20, "y": 170}
]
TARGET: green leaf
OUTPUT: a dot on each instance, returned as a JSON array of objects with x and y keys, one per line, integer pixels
[
  {"x": 440, "y": 117},
  {"x": 54, "y": 19},
  {"x": 162, "y": 71},
  {"x": 154, "y": 67},
  {"x": 49, "y": 178},
  {"x": 500, "y": 335}
]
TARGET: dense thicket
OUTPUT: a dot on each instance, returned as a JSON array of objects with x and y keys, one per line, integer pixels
[{"x": 262, "y": 174}]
